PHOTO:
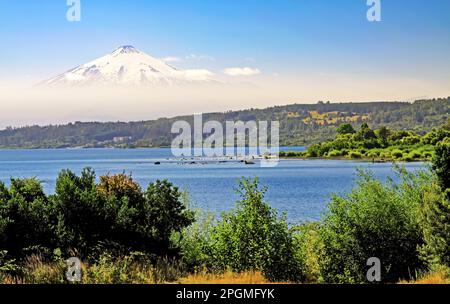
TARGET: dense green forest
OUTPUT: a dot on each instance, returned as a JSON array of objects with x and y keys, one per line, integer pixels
[
  {"x": 125, "y": 234},
  {"x": 300, "y": 124},
  {"x": 382, "y": 144}
]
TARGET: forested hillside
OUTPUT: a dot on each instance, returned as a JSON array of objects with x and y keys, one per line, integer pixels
[{"x": 300, "y": 124}]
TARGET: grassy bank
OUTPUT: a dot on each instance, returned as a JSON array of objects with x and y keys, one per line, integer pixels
[{"x": 38, "y": 272}]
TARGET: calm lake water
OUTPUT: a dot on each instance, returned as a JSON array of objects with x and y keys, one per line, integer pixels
[{"x": 302, "y": 188}]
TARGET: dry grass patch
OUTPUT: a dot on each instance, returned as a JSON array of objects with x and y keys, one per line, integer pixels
[
  {"x": 439, "y": 277},
  {"x": 225, "y": 278}
]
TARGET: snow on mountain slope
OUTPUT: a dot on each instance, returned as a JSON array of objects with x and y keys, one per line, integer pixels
[{"x": 127, "y": 66}]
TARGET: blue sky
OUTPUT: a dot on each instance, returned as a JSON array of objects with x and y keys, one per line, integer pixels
[
  {"x": 285, "y": 37},
  {"x": 301, "y": 51}
]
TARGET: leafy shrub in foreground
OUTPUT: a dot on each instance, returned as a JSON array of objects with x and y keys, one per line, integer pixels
[
  {"x": 374, "y": 220},
  {"x": 253, "y": 238},
  {"x": 194, "y": 242},
  {"x": 117, "y": 214},
  {"x": 86, "y": 218},
  {"x": 436, "y": 231},
  {"x": 308, "y": 249},
  {"x": 441, "y": 163},
  {"x": 436, "y": 212},
  {"x": 25, "y": 218},
  {"x": 83, "y": 217}
]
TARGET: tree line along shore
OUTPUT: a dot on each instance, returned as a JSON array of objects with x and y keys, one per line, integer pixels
[
  {"x": 380, "y": 145},
  {"x": 300, "y": 125}
]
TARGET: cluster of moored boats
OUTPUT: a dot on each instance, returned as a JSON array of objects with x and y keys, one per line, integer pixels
[{"x": 248, "y": 160}]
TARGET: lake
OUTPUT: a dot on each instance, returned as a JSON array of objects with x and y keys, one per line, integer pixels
[{"x": 302, "y": 188}]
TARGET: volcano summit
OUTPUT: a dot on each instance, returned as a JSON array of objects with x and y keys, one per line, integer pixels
[{"x": 127, "y": 66}]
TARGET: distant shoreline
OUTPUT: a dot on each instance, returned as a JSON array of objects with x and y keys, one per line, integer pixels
[
  {"x": 300, "y": 125},
  {"x": 301, "y": 158},
  {"x": 362, "y": 160}
]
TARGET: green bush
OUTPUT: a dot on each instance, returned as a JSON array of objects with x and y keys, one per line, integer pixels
[
  {"x": 83, "y": 217},
  {"x": 435, "y": 136},
  {"x": 345, "y": 129},
  {"x": 314, "y": 151},
  {"x": 334, "y": 153},
  {"x": 436, "y": 231},
  {"x": 385, "y": 155},
  {"x": 441, "y": 163},
  {"x": 87, "y": 218},
  {"x": 291, "y": 154},
  {"x": 365, "y": 133},
  {"x": 373, "y": 154},
  {"x": 344, "y": 152},
  {"x": 386, "y": 143},
  {"x": 194, "y": 241},
  {"x": 117, "y": 214},
  {"x": 415, "y": 154},
  {"x": 397, "y": 154},
  {"x": 410, "y": 140},
  {"x": 428, "y": 155},
  {"x": 363, "y": 151},
  {"x": 407, "y": 158},
  {"x": 25, "y": 218},
  {"x": 308, "y": 250},
  {"x": 6, "y": 264},
  {"x": 436, "y": 212},
  {"x": 253, "y": 238},
  {"x": 374, "y": 220},
  {"x": 354, "y": 155}
]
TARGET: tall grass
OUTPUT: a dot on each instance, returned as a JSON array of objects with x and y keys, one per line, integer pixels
[
  {"x": 227, "y": 277},
  {"x": 107, "y": 270}
]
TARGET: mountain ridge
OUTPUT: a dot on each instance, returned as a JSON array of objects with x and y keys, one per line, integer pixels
[
  {"x": 128, "y": 66},
  {"x": 300, "y": 124}
]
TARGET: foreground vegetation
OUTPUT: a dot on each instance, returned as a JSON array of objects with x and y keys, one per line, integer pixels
[
  {"x": 300, "y": 125},
  {"x": 124, "y": 234},
  {"x": 382, "y": 144}
]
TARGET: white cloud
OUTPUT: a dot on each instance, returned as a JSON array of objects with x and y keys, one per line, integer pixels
[
  {"x": 171, "y": 59},
  {"x": 246, "y": 71},
  {"x": 197, "y": 74}
]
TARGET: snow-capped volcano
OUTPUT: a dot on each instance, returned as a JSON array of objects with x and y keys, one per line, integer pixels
[{"x": 127, "y": 66}]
